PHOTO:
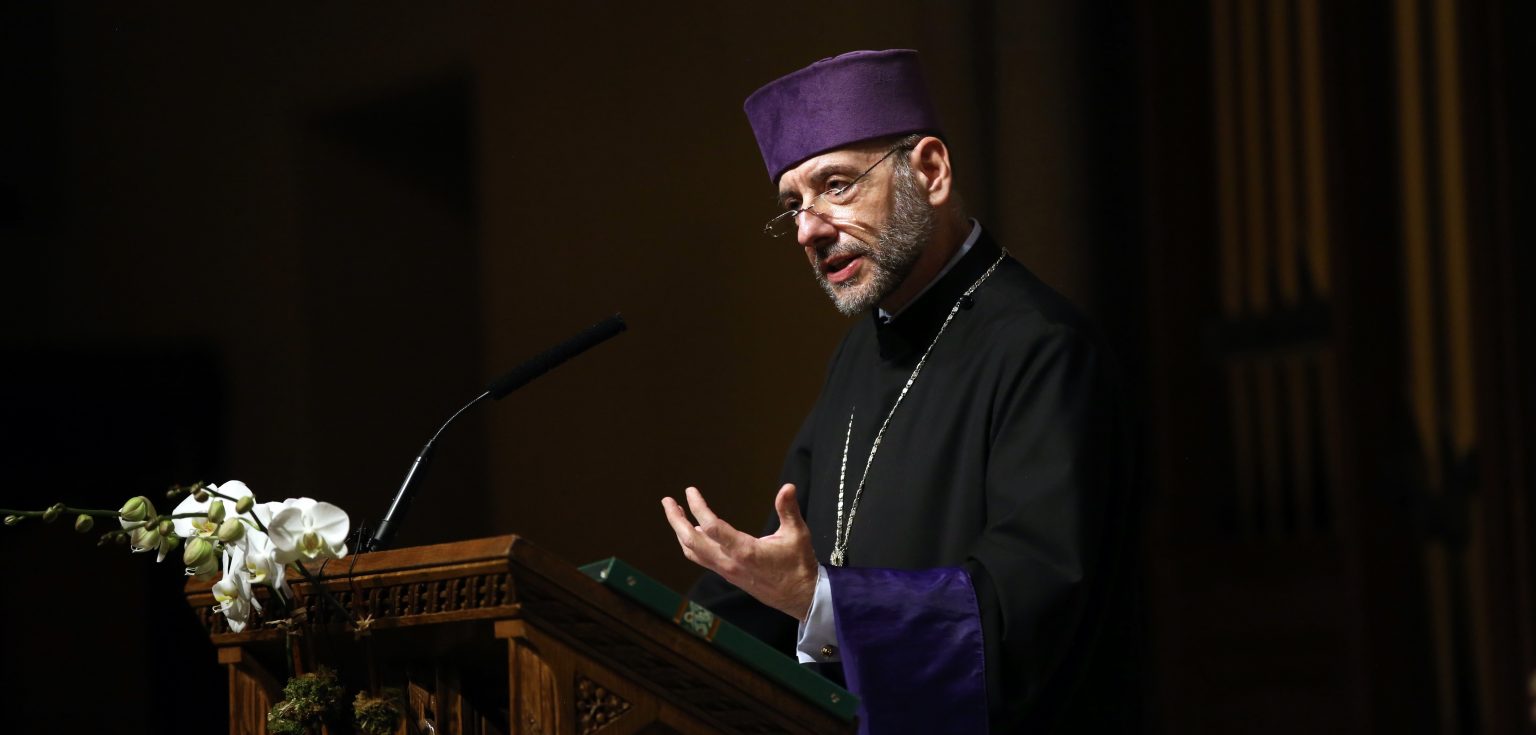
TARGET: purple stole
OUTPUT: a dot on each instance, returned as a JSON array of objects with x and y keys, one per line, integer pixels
[{"x": 911, "y": 646}]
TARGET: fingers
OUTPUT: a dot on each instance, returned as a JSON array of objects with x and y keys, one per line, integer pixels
[
  {"x": 788, "y": 507},
  {"x": 700, "y": 509},
  {"x": 678, "y": 520},
  {"x": 698, "y": 547},
  {"x": 710, "y": 524}
]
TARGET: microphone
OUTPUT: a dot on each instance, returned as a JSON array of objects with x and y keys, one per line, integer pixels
[
  {"x": 497, "y": 389},
  {"x": 585, "y": 340}
]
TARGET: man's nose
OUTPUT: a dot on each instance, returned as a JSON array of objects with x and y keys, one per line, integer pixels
[{"x": 813, "y": 230}]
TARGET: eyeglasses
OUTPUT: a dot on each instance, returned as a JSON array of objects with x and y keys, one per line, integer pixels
[{"x": 824, "y": 204}]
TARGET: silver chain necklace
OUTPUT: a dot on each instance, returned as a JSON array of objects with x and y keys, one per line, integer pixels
[{"x": 840, "y": 540}]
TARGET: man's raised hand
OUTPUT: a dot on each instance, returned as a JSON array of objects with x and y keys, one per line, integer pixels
[{"x": 778, "y": 569}]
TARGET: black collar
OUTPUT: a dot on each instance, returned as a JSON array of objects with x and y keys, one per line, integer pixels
[{"x": 914, "y": 328}]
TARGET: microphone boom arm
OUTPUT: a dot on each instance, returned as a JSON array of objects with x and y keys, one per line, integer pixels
[{"x": 498, "y": 389}]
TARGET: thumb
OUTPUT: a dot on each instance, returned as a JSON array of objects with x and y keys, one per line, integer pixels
[{"x": 788, "y": 507}]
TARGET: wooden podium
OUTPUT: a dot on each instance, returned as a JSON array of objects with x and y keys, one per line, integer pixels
[{"x": 497, "y": 636}]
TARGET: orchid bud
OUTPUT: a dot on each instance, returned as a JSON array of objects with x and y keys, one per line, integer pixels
[
  {"x": 245, "y": 504},
  {"x": 12, "y": 520},
  {"x": 147, "y": 538},
  {"x": 216, "y": 512},
  {"x": 231, "y": 530},
  {"x": 53, "y": 512},
  {"x": 201, "y": 496},
  {"x": 171, "y": 542},
  {"x": 197, "y": 553},
  {"x": 120, "y": 537},
  {"x": 83, "y": 523},
  {"x": 166, "y": 527},
  {"x": 136, "y": 509}
]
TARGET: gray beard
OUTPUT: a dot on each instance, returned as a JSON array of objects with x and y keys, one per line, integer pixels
[{"x": 888, "y": 262}]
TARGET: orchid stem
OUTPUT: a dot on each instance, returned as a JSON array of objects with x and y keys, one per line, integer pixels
[
  {"x": 94, "y": 512},
  {"x": 319, "y": 585},
  {"x": 252, "y": 512}
]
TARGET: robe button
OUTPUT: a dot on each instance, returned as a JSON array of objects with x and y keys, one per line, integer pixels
[{"x": 829, "y": 651}]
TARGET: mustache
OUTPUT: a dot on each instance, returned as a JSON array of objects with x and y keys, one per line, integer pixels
[{"x": 843, "y": 249}]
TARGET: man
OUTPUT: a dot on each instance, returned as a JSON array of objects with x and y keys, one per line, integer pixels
[{"x": 952, "y": 526}]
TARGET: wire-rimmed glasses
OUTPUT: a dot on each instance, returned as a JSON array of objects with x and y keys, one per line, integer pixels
[{"x": 824, "y": 203}]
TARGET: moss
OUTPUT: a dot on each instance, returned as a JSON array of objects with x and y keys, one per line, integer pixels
[
  {"x": 309, "y": 700},
  {"x": 377, "y": 715},
  {"x": 280, "y": 720}
]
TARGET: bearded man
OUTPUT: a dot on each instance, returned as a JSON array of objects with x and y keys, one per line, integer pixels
[{"x": 951, "y": 535}]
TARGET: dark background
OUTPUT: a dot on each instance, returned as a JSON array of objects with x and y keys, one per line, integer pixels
[{"x": 280, "y": 245}]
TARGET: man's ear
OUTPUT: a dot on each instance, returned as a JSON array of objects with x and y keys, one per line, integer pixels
[{"x": 930, "y": 164}]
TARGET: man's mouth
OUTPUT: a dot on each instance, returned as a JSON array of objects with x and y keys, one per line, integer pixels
[{"x": 839, "y": 268}]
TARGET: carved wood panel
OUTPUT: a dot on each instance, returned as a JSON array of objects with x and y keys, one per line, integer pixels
[
  {"x": 579, "y": 658},
  {"x": 597, "y": 706},
  {"x": 252, "y": 690}
]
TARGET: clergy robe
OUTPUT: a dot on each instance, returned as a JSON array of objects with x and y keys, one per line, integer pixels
[{"x": 985, "y": 585}]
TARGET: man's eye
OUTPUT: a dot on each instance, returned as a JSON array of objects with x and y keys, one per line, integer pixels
[{"x": 839, "y": 194}]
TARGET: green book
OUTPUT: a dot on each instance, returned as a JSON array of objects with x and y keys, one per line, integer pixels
[{"x": 741, "y": 645}]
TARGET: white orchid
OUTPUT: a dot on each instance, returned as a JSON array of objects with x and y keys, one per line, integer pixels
[
  {"x": 263, "y": 512},
  {"x": 208, "y": 525},
  {"x": 234, "y": 598},
  {"x": 305, "y": 529},
  {"x": 258, "y": 560}
]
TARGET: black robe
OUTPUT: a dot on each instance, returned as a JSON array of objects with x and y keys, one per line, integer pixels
[{"x": 1009, "y": 458}]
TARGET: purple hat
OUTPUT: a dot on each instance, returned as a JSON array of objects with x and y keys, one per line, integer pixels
[{"x": 838, "y": 101}]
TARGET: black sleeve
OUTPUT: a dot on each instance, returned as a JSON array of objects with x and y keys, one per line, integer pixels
[{"x": 1046, "y": 571}]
